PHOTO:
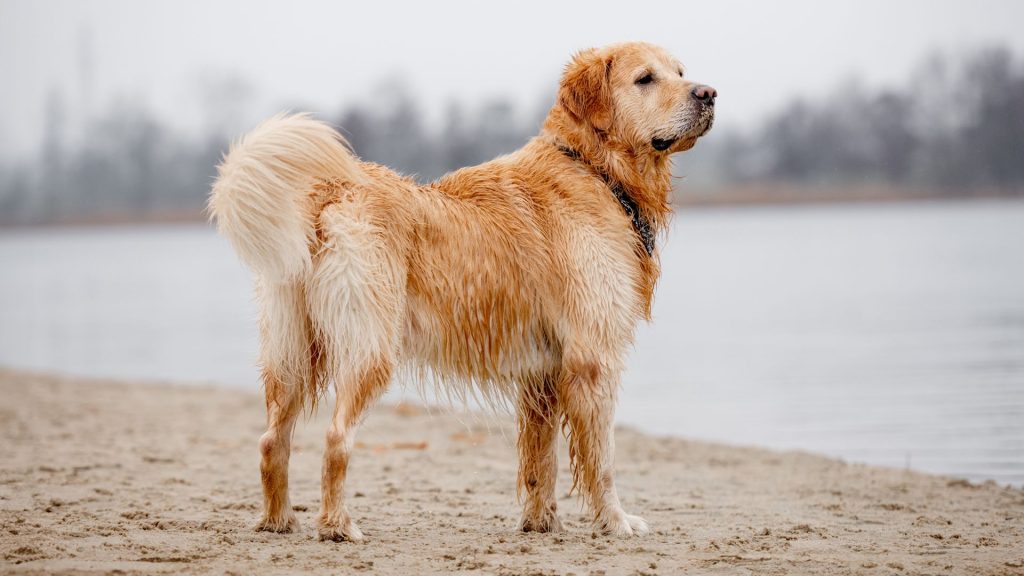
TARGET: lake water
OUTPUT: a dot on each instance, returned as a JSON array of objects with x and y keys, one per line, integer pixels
[{"x": 887, "y": 334}]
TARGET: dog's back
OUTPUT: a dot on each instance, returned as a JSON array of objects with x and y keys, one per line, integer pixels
[
  {"x": 476, "y": 283},
  {"x": 368, "y": 268}
]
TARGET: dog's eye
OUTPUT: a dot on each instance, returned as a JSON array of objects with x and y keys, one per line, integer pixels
[
  {"x": 645, "y": 79},
  {"x": 680, "y": 73}
]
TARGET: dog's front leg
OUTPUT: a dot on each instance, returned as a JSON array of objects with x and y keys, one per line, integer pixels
[
  {"x": 538, "y": 418},
  {"x": 587, "y": 394}
]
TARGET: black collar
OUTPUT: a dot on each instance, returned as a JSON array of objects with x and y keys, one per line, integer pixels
[{"x": 641, "y": 225}]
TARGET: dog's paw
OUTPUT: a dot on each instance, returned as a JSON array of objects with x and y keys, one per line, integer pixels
[
  {"x": 346, "y": 531},
  {"x": 618, "y": 523},
  {"x": 546, "y": 521},
  {"x": 285, "y": 524},
  {"x": 638, "y": 524}
]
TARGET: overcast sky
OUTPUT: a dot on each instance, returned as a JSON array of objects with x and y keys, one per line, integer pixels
[{"x": 323, "y": 55}]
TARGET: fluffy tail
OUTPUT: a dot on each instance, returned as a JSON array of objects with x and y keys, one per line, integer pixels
[{"x": 262, "y": 199}]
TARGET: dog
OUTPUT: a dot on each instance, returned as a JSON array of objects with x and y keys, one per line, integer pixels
[{"x": 521, "y": 279}]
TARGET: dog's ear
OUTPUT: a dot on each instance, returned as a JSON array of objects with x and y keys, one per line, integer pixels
[{"x": 585, "y": 91}]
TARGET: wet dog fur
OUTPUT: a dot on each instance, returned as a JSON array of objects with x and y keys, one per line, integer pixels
[{"x": 520, "y": 280}]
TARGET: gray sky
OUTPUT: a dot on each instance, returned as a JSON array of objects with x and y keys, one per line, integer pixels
[{"x": 322, "y": 55}]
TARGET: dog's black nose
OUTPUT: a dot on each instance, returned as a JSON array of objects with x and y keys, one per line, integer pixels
[{"x": 705, "y": 94}]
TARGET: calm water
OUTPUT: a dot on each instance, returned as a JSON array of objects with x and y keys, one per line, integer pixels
[{"x": 888, "y": 334}]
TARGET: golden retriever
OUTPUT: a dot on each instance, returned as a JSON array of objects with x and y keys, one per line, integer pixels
[{"x": 521, "y": 279}]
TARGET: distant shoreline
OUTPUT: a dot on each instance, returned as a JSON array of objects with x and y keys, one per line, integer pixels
[
  {"x": 737, "y": 196},
  {"x": 790, "y": 194}
]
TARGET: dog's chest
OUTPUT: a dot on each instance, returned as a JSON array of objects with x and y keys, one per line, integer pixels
[
  {"x": 601, "y": 300},
  {"x": 490, "y": 298}
]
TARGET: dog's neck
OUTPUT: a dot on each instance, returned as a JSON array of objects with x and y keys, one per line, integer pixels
[
  {"x": 641, "y": 225},
  {"x": 645, "y": 175}
]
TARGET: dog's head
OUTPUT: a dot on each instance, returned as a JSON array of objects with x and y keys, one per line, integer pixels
[{"x": 639, "y": 94}]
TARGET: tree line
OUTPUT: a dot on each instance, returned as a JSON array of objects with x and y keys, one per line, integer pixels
[{"x": 956, "y": 127}]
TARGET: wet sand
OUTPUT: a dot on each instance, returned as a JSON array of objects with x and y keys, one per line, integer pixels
[{"x": 131, "y": 477}]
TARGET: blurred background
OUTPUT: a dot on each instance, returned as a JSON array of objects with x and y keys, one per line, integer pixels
[{"x": 845, "y": 273}]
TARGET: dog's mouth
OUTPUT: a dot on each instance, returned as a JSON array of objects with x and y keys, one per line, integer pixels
[
  {"x": 662, "y": 144},
  {"x": 695, "y": 129}
]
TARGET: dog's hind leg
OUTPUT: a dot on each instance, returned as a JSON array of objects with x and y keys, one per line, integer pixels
[
  {"x": 355, "y": 302},
  {"x": 354, "y": 397},
  {"x": 287, "y": 371},
  {"x": 538, "y": 418},
  {"x": 587, "y": 394}
]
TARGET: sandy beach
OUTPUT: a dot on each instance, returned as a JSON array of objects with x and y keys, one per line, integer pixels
[{"x": 127, "y": 477}]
